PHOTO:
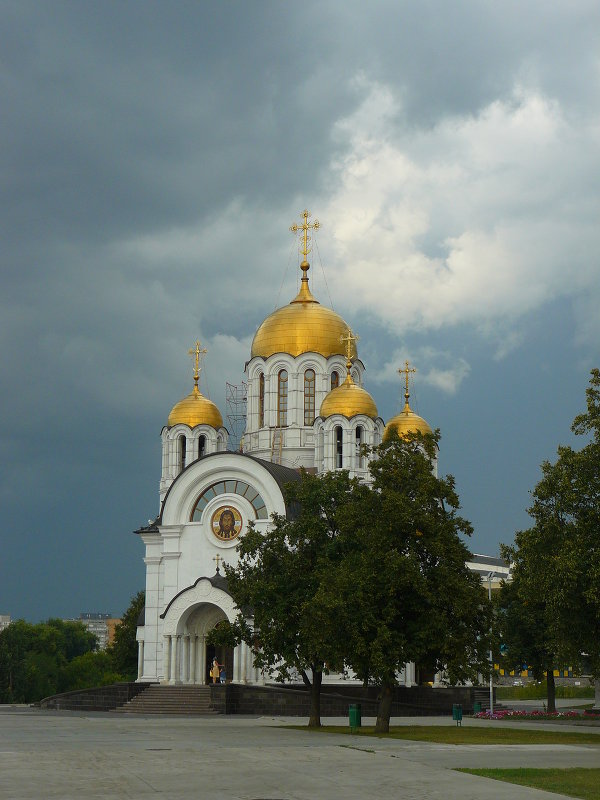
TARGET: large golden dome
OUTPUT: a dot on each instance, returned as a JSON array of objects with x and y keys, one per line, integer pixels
[
  {"x": 195, "y": 409},
  {"x": 303, "y": 326},
  {"x": 348, "y": 400},
  {"x": 406, "y": 422}
]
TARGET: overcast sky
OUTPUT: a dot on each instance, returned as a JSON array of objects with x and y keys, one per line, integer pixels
[{"x": 153, "y": 157}]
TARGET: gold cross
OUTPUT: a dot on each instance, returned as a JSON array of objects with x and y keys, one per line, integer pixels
[
  {"x": 305, "y": 227},
  {"x": 406, "y": 372},
  {"x": 348, "y": 340},
  {"x": 196, "y": 352},
  {"x": 217, "y": 558}
]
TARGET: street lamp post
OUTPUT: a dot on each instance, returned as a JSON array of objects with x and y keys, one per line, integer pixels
[{"x": 489, "y": 580}]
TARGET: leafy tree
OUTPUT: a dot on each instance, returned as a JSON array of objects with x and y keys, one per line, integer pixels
[
  {"x": 87, "y": 670},
  {"x": 522, "y": 626},
  {"x": 123, "y": 651},
  {"x": 401, "y": 590},
  {"x": 32, "y": 657},
  {"x": 558, "y": 558},
  {"x": 277, "y": 581}
]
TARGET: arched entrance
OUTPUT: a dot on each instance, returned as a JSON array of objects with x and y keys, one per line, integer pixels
[
  {"x": 188, "y": 619},
  {"x": 201, "y": 621}
]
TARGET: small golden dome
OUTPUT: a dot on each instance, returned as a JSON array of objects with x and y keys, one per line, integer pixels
[
  {"x": 303, "y": 326},
  {"x": 348, "y": 400},
  {"x": 195, "y": 409},
  {"x": 406, "y": 422}
]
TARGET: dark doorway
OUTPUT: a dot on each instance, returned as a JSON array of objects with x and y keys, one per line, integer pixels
[{"x": 224, "y": 656}]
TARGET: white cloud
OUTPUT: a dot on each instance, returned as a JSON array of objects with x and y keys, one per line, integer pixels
[
  {"x": 478, "y": 220},
  {"x": 437, "y": 368}
]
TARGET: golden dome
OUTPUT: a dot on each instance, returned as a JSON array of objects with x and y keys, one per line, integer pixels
[
  {"x": 195, "y": 409},
  {"x": 303, "y": 326},
  {"x": 348, "y": 400},
  {"x": 406, "y": 422}
]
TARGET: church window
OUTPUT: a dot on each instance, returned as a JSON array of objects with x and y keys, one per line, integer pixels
[
  {"x": 282, "y": 398},
  {"x": 181, "y": 453},
  {"x": 360, "y": 440},
  {"x": 261, "y": 401},
  {"x": 230, "y": 487},
  {"x": 201, "y": 446},
  {"x": 335, "y": 380},
  {"x": 339, "y": 449},
  {"x": 309, "y": 397}
]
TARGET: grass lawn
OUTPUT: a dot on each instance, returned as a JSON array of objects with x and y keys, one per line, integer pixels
[
  {"x": 537, "y": 691},
  {"x": 576, "y": 782},
  {"x": 446, "y": 734}
]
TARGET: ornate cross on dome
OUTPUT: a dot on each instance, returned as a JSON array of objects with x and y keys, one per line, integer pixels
[
  {"x": 348, "y": 340},
  {"x": 406, "y": 372},
  {"x": 196, "y": 352},
  {"x": 217, "y": 558},
  {"x": 305, "y": 227}
]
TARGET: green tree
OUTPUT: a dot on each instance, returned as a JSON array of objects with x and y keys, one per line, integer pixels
[
  {"x": 124, "y": 651},
  {"x": 521, "y": 625},
  {"x": 401, "y": 590},
  {"x": 32, "y": 657},
  {"x": 558, "y": 558},
  {"x": 94, "y": 668},
  {"x": 278, "y": 578}
]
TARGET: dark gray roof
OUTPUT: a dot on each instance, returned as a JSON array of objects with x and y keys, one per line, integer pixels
[{"x": 493, "y": 561}]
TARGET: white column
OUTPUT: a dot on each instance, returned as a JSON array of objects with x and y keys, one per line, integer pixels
[
  {"x": 186, "y": 658},
  {"x": 140, "y": 659},
  {"x": 167, "y": 652},
  {"x": 202, "y": 660},
  {"x": 193, "y": 654},
  {"x": 237, "y": 660}
]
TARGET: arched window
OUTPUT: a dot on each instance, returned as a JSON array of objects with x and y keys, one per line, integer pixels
[
  {"x": 261, "y": 401},
  {"x": 339, "y": 448},
  {"x": 201, "y": 446},
  {"x": 309, "y": 397},
  {"x": 335, "y": 380},
  {"x": 282, "y": 398},
  {"x": 181, "y": 453},
  {"x": 360, "y": 440}
]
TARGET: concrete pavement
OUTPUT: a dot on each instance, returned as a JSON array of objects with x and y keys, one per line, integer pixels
[{"x": 68, "y": 755}]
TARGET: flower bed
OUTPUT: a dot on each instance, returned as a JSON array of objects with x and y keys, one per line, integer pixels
[{"x": 509, "y": 713}]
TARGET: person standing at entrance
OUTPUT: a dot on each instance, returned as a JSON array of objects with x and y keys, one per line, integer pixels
[{"x": 215, "y": 671}]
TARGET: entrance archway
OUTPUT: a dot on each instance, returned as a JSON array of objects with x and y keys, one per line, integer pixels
[{"x": 188, "y": 619}]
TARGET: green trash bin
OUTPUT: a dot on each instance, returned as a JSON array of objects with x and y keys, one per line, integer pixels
[
  {"x": 354, "y": 715},
  {"x": 477, "y": 708},
  {"x": 457, "y": 713}
]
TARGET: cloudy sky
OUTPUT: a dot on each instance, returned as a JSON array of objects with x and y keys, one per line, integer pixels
[{"x": 153, "y": 157}]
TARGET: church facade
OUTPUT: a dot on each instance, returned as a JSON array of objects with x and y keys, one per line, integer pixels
[{"x": 306, "y": 408}]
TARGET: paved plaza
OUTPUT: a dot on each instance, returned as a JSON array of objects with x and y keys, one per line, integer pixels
[{"x": 75, "y": 756}]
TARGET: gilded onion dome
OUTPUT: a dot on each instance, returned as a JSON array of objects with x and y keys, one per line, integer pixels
[
  {"x": 195, "y": 409},
  {"x": 348, "y": 400},
  {"x": 406, "y": 421},
  {"x": 304, "y": 325}
]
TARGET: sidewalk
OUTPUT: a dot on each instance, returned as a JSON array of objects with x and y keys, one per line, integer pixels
[{"x": 75, "y": 756}]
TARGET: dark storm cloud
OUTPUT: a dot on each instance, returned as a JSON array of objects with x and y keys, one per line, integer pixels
[{"x": 153, "y": 156}]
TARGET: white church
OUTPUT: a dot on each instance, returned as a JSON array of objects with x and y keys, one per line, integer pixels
[{"x": 306, "y": 407}]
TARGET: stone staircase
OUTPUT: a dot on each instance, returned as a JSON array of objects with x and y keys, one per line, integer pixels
[{"x": 157, "y": 699}]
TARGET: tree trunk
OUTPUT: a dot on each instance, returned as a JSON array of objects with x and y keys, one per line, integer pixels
[
  {"x": 597, "y": 694},
  {"x": 315, "y": 699},
  {"x": 384, "y": 710},
  {"x": 551, "y": 690}
]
